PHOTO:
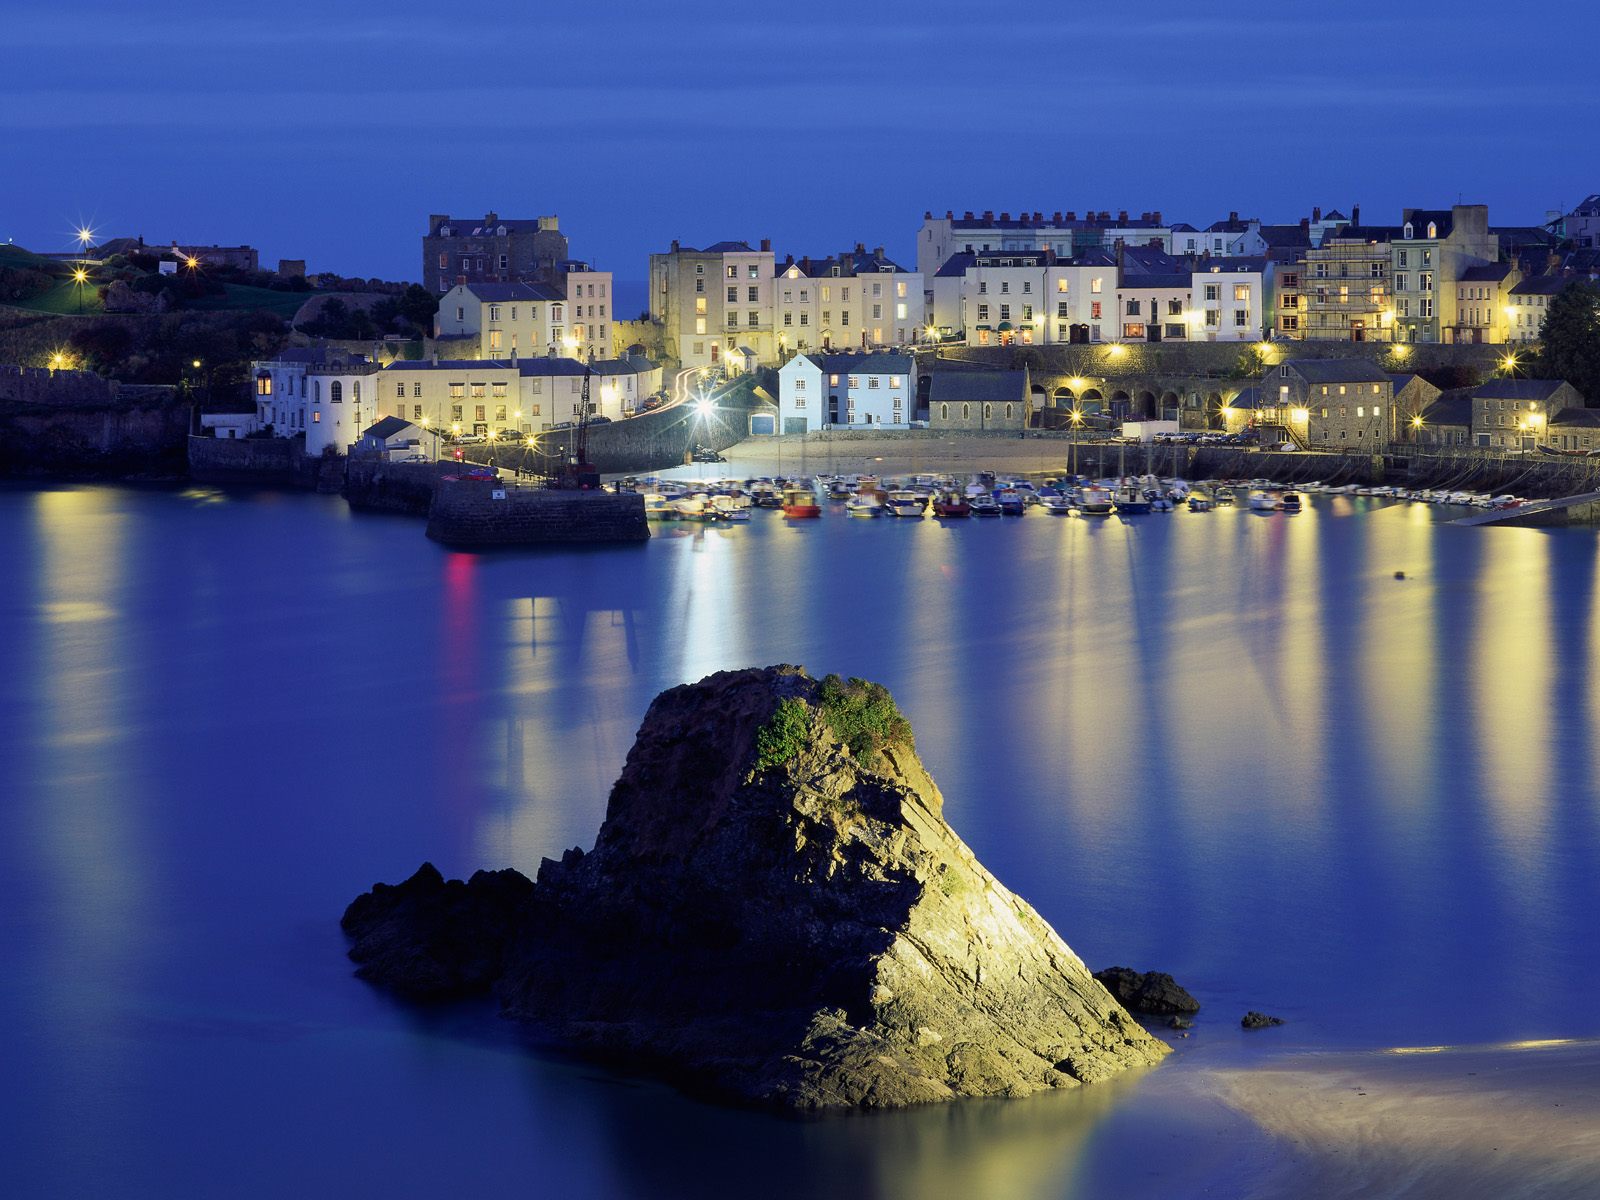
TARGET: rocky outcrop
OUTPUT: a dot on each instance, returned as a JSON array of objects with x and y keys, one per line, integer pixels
[
  {"x": 1153, "y": 992},
  {"x": 1255, "y": 1020},
  {"x": 776, "y": 911}
]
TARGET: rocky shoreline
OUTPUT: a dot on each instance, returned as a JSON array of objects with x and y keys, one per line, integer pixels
[{"x": 775, "y": 912}]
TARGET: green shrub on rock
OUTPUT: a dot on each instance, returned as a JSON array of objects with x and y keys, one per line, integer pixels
[
  {"x": 782, "y": 738},
  {"x": 863, "y": 716}
]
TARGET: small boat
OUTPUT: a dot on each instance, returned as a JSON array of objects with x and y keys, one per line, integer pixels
[
  {"x": 656, "y": 507},
  {"x": 1199, "y": 502},
  {"x": 1161, "y": 504},
  {"x": 729, "y": 508},
  {"x": 692, "y": 508},
  {"x": 1291, "y": 502},
  {"x": 1096, "y": 502},
  {"x": 1224, "y": 498},
  {"x": 865, "y": 504},
  {"x": 985, "y": 506},
  {"x": 1010, "y": 501},
  {"x": 1265, "y": 502},
  {"x": 800, "y": 503},
  {"x": 907, "y": 504},
  {"x": 1131, "y": 501},
  {"x": 951, "y": 503},
  {"x": 1057, "y": 505}
]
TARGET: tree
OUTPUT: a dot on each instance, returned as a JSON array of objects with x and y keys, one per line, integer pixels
[
  {"x": 417, "y": 305},
  {"x": 1569, "y": 338}
]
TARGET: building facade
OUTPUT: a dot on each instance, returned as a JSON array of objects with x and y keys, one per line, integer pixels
[
  {"x": 1329, "y": 403},
  {"x": 1066, "y": 235},
  {"x": 857, "y": 299},
  {"x": 492, "y": 249},
  {"x": 568, "y": 319},
  {"x": 1432, "y": 251},
  {"x": 1515, "y": 414},
  {"x": 817, "y": 391},
  {"x": 978, "y": 401},
  {"x": 327, "y": 396},
  {"x": 714, "y": 302}
]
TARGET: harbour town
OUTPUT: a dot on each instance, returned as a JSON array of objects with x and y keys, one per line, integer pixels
[{"x": 798, "y": 602}]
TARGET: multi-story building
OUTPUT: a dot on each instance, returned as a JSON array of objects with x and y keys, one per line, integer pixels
[
  {"x": 1344, "y": 286},
  {"x": 854, "y": 299},
  {"x": 1582, "y": 224},
  {"x": 1515, "y": 414},
  {"x": 714, "y": 302},
  {"x": 482, "y": 396},
  {"x": 1432, "y": 249},
  {"x": 1288, "y": 299},
  {"x": 1066, "y": 235},
  {"x": 818, "y": 390},
  {"x": 570, "y": 318},
  {"x": 491, "y": 250},
  {"x": 1527, "y": 300},
  {"x": 327, "y": 396},
  {"x": 1483, "y": 309},
  {"x": 1330, "y": 403},
  {"x": 1231, "y": 298}
]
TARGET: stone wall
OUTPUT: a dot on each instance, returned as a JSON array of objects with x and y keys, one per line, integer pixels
[
  {"x": 468, "y": 513},
  {"x": 74, "y": 424},
  {"x": 373, "y": 485},
  {"x": 280, "y": 461}
]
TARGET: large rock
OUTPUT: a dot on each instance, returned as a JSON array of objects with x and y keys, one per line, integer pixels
[
  {"x": 1153, "y": 992},
  {"x": 776, "y": 911}
]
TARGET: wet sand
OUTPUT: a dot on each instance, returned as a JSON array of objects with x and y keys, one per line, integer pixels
[{"x": 1428, "y": 1123}]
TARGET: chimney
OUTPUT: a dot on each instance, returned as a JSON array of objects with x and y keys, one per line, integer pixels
[
  {"x": 1316, "y": 212},
  {"x": 1072, "y": 216},
  {"x": 1305, "y": 222},
  {"x": 766, "y": 245},
  {"x": 968, "y": 216},
  {"x": 1005, "y": 216},
  {"x": 927, "y": 214},
  {"x": 674, "y": 245},
  {"x": 1122, "y": 217},
  {"x": 492, "y": 218},
  {"x": 1037, "y": 215},
  {"x": 1105, "y": 214},
  {"x": 877, "y": 251},
  {"x": 1233, "y": 217},
  {"x": 1355, "y": 215},
  {"x": 988, "y": 214},
  {"x": 1155, "y": 217},
  {"x": 950, "y": 215},
  {"x": 1056, "y": 219},
  {"x": 861, "y": 247}
]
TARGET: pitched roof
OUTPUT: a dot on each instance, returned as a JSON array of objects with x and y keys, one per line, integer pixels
[
  {"x": 856, "y": 262},
  {"x": 1449, "y": 408},
  {"x": 1286, "y": 236},
  {"x": 729, "y": 248},
  {"x": 1579, "y": 417},
  {"x": 1336, "y": 370},
  {"x": 1151, "y": 279},
  {"x": 1540, "y": 285},
  {"x": 501, "y": 292},
  {"x": 1418, "y": 219},
  {"x": 1235, "y": 264},
  {"x": 478, "y": 227},
  {"x": 387, "y": 428},
  {"x": 862, "y": 364},
  {"x": 1485, "y": 273},
  {"x": 1249, "y": 397},
  {"x": 978, "y": 385},
  {"x": 1518, "y": 389}
]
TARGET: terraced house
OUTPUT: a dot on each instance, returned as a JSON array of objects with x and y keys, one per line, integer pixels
[
  {"x": 856, "y": 299},
  {"x": 714, "y": 303},
  {"x": 570, "y": 318}
]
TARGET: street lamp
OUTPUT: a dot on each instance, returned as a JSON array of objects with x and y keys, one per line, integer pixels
[
  {"x": 1076, "y": 417},
  {"x": 80, "y": 277}
]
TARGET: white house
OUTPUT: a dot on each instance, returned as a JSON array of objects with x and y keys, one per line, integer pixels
[
  {"x": 1231, "y": 297},
  {"x": 231, "y": 424},
  {"x": 327, "y": 395},
  {"x": 862, "y": 390},
  {"x": 1065, "y": 235},
  {"x": 855, "y": 299}
]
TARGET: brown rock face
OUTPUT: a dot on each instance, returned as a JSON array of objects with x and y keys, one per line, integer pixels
[{"x": 776, "y": 911}]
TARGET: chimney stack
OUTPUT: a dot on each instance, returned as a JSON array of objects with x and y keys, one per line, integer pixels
[
  {"x": 988, "y": 214},
  {"x": 877, "y": 251},
  {"x": 1316, "y": 212},
  {"x": 674, "y": 245},
  {"x": 968, "y": 215},
  {"x": 1005, "y": 216},
  {"x": 1305, "y": 223},
  {"x": 766, "y": 245},
  {"x": 861, "y": 247},
  {"x": 1056, "y": 219},
  {"x": 1233, "y": 217},
  {"x": 1122, "y": 217},
  {"x": 1355, "y": 215}
]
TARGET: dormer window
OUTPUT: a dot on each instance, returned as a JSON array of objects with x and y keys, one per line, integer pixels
[
  {"x": 1433, "y": 230},
  {"x": 1408, "y": 231},
  {"x": 444, "y": 231},
  {"x": 500, "y": 231}
]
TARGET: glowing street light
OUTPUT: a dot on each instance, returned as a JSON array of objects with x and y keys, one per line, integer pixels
[
  {"x": 703, "y": 406},
  {"x": 80, "y": 277},
  {"x": 192, "y": 263}
]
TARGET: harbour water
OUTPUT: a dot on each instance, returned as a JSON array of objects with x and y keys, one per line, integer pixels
[{"x": 1228, "y": 745}]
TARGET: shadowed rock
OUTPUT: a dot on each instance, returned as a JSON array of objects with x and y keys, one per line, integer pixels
[
  {"x": 774, "y": 910},
  {"x": 1255, "y": 1020},
  {"x": 1153, "y": 992}
]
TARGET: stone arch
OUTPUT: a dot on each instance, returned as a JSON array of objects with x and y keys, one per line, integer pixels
[
  {"x": 1170, "y": 403},
  {"x": 1064, "y": 398},
  {"x": 1145, "y": 405},
  {"x": 1092, "y": 401},
  {"x": 1121, "y": 403},
  {"x": 1214, "y": 410}
]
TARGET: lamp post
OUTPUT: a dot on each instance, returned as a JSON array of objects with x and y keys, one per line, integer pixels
[
  {"x": 80, "y": 277},
  {"x": 1076, "y": 420}
]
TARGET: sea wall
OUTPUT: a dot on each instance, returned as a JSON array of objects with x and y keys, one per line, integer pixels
[
  {"x": 479, "y": 513},
  {"x": 278, "y": 461},
  {"x": 373, "y": 485},
  {"x": 72, "y": 424}
]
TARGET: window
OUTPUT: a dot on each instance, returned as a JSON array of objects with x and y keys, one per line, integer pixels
[
  {"x": 1094, "y": 285},
  {"x": 461, "y": 312},
  {"x": 500, "y": 413},
  {"x": 732, "y": 272},
  {"x": 755, "y": 271},
  {"x": 1425, "y": 281},
  {"x": 455, "y": 412},
  {"x": 699, "y": 286},
  {"x": 855, "y": 381},
  {"x": 1213, "y": 292},
  {"x": 1174, "y": 308},
  {"x": 1005, "y": 312},
  {"x": 416, "y": 392},
  {"x": 498, "y": 390},
  {"x": 494, "y": 312},
  {"x": 983, "y": 287},
  {"x": 754, "y": 319},
  {"x": 478, "y": 411},
  {"x": 1094, "y": 309},
  {"x": 983, "y": 312},
  {"x": 733, "y": 295},
  {"x": 1376, "y": 270},
  {"x": 872, "y": 383},
  {"x": 399, "y": 390},
  {"x": 966, "y": 412},
  {"x": 316, "y": 417},
  {"x": 1213, "y": 318},
  {"x": 1005, "y": 287},
  {"x": 416, "y": 412},
  {"x": 335, "y": 392},
  {"x": 755, "y": 295},
  {"x": 1133, "y": 308},
  {"x": 477, "y": 391},
  {"x": 494, "y": 339},
  {"x": 263, "y": 384},
  {"x": 944, "y": 412},
  {"x": 988, "y": 412},
  {"x": 894, "y": 381},
  {"x": 1240, "y": 317},
  {"x": 1241, "y": 292},
  {"x": 1061, "y": 286}
]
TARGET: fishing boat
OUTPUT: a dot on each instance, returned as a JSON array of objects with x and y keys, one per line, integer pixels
[
  {"x": 1291, "y": 502},
  {"x": 1095, "y": 502},
  {"x": 1130, "y": 500},
  {"x": 907, "y": 504},
  {"x": 656, "y": 507},
  {"x": 800, "y": 503},
  {"x": 985, "y": 505},
  {"x": 1009, "y": 500},
  {"x": 1199, "y": 502},
  {"x": 951, "y": 503},
  {"x": 864, "y": 504},
  {"x": 1057, "y": 505}
]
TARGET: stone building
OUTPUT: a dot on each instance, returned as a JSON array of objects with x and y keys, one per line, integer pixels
[
  {"x": 1344, "y": 287},
  {"x": 1445, "y": 422},
  {"x": 714, "y": 302},
  {"x": 1413, "y": 395},
  {"x": 1575, "y": 428},
  {"x": 570, "y": 318},
  {"x": 491, "y": 250},
  {"x": 1513, "y": 414},
  {"x": 1332, "y": 403},
  {"x": 978, "y": 400}
]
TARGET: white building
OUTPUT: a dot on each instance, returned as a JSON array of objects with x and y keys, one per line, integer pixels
[
  {"x": 1526, "y": 305},
  {"x": 327, "y": 395},
  {"x": 714, "y": 302},
  {"x": 861, "y": 390},
  {"x": 1066, "y": 235},
  {"x": 855, "y": 299},
  {"x": 1231, "y": 297}
]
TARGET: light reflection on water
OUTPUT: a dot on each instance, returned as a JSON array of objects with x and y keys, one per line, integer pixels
[{"x": 1229, "y": 746}]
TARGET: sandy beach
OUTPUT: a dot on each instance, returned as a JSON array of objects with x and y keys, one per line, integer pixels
[{"x": 1424, "y": 1123}]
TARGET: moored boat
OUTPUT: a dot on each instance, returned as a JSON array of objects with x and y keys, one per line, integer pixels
[
  {"x": 800, "y": 503},
  {"x": 1095, "y": 502},
  {"x": 1291, "y": 502},
  {"x": 985, "y": 506},
  {"x": 951, "y": 503},
  {"x": 1265, "y": 502},
  {"x": 907, "y": 504},
  {"x": 864, "y": 504}
]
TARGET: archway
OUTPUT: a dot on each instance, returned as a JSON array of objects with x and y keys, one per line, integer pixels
[
  {"x": 1037, "y": 398},
  {"x": 1063, "y": 397},
  {"x": 1092, "y": 401},
  {"x": 1146, "y": 406},
  {"x": 1169, "y": 406},
  {"x": 1121, "y": 404}
]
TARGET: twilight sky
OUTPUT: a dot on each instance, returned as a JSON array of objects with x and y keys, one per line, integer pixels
[{"x": 329, "y": 130}]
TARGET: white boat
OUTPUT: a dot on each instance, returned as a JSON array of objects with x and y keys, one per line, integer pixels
[
  {"x": 656, "y": 507},
  {"x": 1095, "y": 502},
  {"x": 728, "y": 508},
  {"x": 907, "y": 504},
  {"x": 1199, "y": 502},
  {"x": 863, "y": 504},
  {"x": 1265, "y": 502},
  {"x": 1057, "y": 505},
  {"x": 691, "y": 508}
]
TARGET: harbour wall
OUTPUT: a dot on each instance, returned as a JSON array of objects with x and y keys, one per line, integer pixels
[
  {"x": 280, "y": 461},
  {"x": 470, "y": 513},
  {"x": 73, "y": 424},
  {"x": 373, "y": 485}
]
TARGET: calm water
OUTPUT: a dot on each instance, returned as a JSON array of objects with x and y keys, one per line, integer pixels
[{"x": 1229, "y": 746}]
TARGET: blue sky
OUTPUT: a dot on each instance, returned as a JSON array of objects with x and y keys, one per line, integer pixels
[{"x": 330, "y": 130}]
